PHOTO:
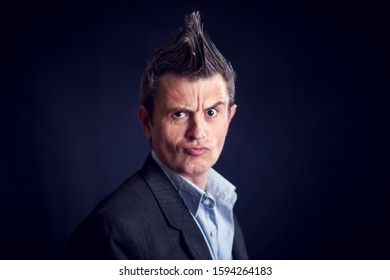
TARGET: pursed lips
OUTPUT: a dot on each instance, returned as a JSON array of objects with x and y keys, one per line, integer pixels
[{"x": 196, "y": 150}]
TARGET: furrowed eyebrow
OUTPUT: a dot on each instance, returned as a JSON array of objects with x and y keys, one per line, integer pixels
[
  {"x": 216, "y": 105},
  {"x": 185, "y": 108},
  {"x": 179, "y": 108}
]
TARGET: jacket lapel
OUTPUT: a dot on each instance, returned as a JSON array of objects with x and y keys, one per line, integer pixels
[{"x": 174, "y": 209}]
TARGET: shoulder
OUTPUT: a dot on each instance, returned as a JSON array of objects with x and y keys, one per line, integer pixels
[
  {"x": 132, "y": 202},
  {"x": 120, "y": 218},
  {"x": 128, "y": 197},
  {"x": 132, "y": 219}
]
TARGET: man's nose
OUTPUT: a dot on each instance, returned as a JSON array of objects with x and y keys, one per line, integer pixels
[{"x": 196, "y": 128}]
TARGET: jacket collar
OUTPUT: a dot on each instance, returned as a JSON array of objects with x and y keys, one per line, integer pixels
[{"x": 174, "y": 209}]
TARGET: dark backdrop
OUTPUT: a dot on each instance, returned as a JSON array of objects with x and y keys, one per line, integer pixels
[{"x": 308, "y": 149}]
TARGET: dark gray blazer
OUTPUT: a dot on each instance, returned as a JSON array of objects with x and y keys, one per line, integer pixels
[{"x": 145, "y": 218}]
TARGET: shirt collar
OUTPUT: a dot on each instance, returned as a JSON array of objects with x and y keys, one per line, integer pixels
[{"x": 217, "y": 187}]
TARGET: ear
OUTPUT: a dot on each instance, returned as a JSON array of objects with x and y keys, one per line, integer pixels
[
  {"x": 145, "y": 120},
  {"x": 232, "y": 112}
]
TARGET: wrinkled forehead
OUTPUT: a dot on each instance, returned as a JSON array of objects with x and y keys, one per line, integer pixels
[{"x": 177, "y": 88}]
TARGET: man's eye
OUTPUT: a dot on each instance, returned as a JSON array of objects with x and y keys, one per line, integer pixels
[
  {"x": 211, "y": 113},
  {"x": 179, "y": 115}
]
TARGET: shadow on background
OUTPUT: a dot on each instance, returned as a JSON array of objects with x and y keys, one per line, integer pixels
[{"x": 308, "y": 149}]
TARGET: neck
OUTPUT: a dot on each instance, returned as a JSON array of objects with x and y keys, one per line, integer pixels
[{"x": 200, "y": 180}]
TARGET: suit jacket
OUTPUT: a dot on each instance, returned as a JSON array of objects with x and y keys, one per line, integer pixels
[{"x": 145, "y": 218}]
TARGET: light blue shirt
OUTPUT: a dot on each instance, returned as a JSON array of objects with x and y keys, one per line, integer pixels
[{"x": 212, "y": 210}]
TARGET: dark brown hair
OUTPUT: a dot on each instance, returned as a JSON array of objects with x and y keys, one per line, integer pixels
[{"x": 191, "y": 55}]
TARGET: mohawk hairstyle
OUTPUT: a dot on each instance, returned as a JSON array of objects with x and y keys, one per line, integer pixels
[{"x": 192, "y": 55}]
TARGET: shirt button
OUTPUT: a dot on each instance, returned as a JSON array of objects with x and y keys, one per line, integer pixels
[
  {"x": 207, "y": 202},
  {"x": 212, "y": 233}
]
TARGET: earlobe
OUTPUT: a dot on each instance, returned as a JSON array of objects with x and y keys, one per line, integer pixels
[{"x": 144, "y": 118}]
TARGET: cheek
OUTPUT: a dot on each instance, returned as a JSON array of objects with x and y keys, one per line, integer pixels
[
  {"x": 168, "y": 135},
  {"x": 220, "y": 134},
  {"x": 222, "y": 137}
]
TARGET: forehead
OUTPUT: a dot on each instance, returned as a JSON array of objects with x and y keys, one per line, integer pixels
[{"x": 175, "y": 89}]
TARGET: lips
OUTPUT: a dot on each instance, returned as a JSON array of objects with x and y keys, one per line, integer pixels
[{"x": 195, "y": 151}]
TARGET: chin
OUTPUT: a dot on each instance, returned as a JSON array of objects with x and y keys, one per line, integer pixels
[
  {"x": 196, "y": 165},
  {"x": 198, "y": 169}
]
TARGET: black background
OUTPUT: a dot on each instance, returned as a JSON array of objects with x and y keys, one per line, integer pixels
[{"x": 308, "y": 149}]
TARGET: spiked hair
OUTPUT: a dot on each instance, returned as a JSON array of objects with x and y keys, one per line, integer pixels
[{"x": 192, "y": 55}]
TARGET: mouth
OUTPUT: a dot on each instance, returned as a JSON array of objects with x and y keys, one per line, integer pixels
[{"x": 195, "y": 151}]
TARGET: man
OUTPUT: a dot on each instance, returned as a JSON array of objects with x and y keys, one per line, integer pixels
[{"x": 176, "y": 206}]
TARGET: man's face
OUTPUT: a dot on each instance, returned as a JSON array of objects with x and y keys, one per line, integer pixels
[{"x": 190, "y": 123}]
